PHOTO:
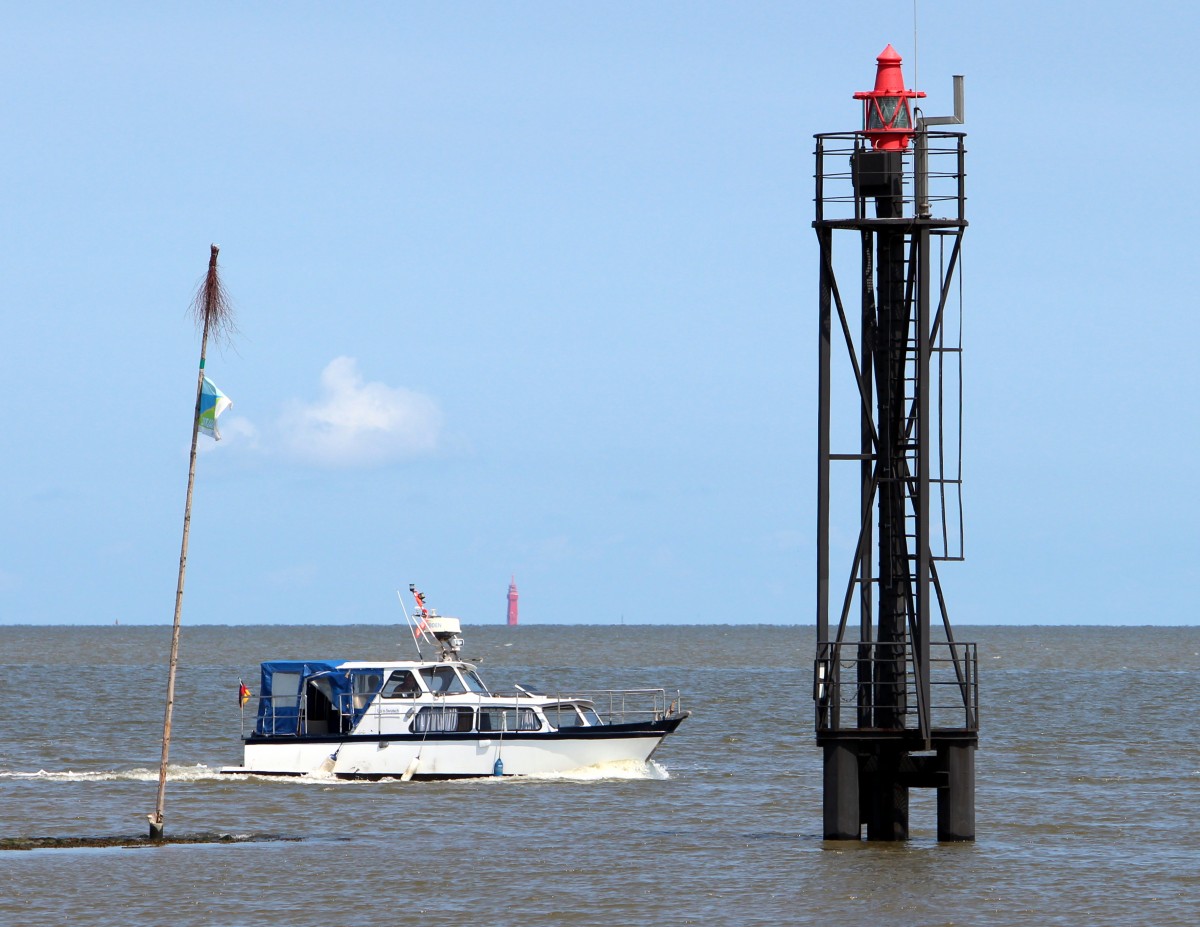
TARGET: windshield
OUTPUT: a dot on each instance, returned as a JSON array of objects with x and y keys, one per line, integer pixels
[
  {"x": 474, "y": 683},
  {"x": 443, "y": 680}
]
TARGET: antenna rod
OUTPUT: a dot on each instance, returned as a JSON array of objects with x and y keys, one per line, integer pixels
[
  {"x": 411, "y": 627},
  {"x": 916, "y": 74}
]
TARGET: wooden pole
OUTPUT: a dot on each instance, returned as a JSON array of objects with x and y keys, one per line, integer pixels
[{"x": 213, "y": 313}]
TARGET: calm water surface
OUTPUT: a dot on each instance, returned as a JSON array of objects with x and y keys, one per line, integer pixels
[{"x": 1088, "y": 791}]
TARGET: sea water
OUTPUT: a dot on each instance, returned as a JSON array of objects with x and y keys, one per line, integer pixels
[{"x": 1088, "y": 791}]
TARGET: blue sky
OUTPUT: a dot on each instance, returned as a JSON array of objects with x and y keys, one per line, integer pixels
[{"x": 531, "y": 289}]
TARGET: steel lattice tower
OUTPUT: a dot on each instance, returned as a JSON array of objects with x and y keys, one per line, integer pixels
[{"x": 895, "y": 708}]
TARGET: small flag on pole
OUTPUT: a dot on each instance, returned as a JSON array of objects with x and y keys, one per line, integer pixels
[
  {"x": 421, "y": 615},
  {"x": 243, "y": 694},
  {"x": 212, "y": 403}
]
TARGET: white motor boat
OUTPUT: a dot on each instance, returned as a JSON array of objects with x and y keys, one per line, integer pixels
[{"x": 436, "y": 719}]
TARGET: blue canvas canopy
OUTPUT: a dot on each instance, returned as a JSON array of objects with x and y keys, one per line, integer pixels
[{"x": 283, "y": 682}]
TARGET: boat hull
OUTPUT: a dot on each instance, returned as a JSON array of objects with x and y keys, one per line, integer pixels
[{"x": 452, "y": 755}]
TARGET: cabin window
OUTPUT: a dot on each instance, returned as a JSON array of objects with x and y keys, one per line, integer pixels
[
  {"x": 591, "y": 717},
  {"x": 365, "y": 685},
  {"x": 442, "y": 680},
  {"x": 508, "y": 719},
  {"x": 285, "y": 690},
  {"x": 402, "y": 684},
  {"x": 436, "y": 719},
  {"x": 561, "y": 716}
]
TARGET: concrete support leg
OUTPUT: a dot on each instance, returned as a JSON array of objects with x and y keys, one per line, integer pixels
[
  {"x": 841, "y": 793},
  {"x": 956, "y": 801}
]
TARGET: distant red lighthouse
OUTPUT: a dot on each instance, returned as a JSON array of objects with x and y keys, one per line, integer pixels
[{"x": 512, "y": 603}]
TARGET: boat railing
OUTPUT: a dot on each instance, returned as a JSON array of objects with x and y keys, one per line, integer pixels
[
  {"x": 289, "y": 716},
  {"x": 272, "y": 716},
  {"x": 616, "y": 706}
]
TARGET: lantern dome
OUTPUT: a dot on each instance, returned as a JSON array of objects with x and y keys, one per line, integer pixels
[{"x": 887, "y": 118}]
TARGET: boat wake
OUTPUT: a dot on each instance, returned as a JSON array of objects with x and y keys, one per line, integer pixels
[
  {"x": 195, "y": 773},
  {"x": 618, "y": 769}
]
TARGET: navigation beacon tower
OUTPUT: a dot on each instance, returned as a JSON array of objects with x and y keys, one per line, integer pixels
[
  {"x": 512, "y": 602},
  {"x": 896, "y": 706}
]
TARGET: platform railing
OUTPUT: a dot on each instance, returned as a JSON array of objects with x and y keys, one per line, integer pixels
[
  {"x": 945, "y": 197},
  {"x": 872, "y": 686}
]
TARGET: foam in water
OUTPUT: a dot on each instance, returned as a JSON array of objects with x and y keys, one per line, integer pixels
[
  {"x": 174, "y": 774},
  {"x": 618, "y": 769}
]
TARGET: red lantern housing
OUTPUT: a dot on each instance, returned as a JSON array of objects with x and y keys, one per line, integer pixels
[{"x": 887, "y": 119}]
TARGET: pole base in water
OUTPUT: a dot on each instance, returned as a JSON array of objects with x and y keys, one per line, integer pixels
[
  {"x": 842, "y": 813},
  {"x": 956, "y": 802},
  {"x": 868, "y": 777},
  {"x": 156, "y": 827}
]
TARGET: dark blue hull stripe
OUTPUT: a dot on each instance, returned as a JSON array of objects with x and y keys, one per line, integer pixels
[{"x": 606, "y": 732}]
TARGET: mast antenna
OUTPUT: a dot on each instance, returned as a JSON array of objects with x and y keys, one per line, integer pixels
[{"x": 916, "y": 73}]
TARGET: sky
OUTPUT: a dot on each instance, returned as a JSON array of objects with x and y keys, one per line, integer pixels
[{"x": 530, "y": 290}]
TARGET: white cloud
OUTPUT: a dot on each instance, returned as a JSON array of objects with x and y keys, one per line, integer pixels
[
  {"x": 234, "y": 430},
  {"x": 357, "y": 424}
]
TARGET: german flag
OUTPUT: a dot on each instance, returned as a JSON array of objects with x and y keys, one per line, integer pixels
[{"x": 243, "y": 694}]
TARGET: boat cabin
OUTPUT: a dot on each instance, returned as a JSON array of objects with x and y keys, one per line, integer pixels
[{"x": 321, "y": 698}]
